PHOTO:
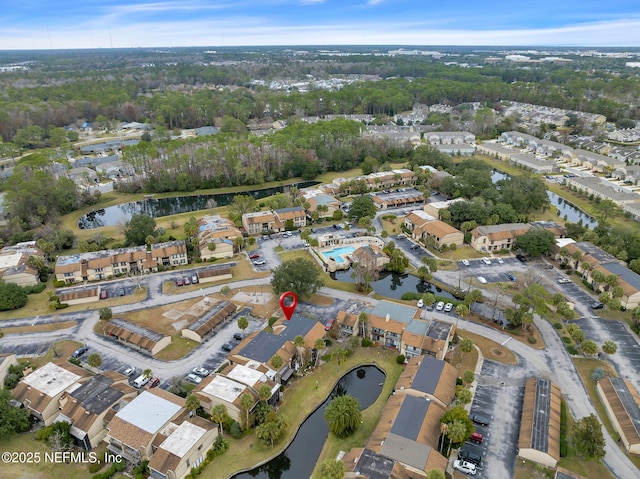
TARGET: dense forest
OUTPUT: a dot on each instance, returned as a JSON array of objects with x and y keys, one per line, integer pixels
[{"x": 192, "y": 90}]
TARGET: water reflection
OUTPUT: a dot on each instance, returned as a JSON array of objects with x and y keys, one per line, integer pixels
[
  {"x": 298, "y": 460},
  {"x": 394, "y": 285},
  {"x": 157, "y": 207}
]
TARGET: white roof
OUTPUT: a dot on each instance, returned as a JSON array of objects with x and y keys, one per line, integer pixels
[
  {"x": 224, "y": 388},
  {"x": 51, "y": 379},
  {"x": 183, "y": 438},
  {"x": 246, "y": 375},
  {"x": 561, "y": 242},
  {"x": 148, "y": 412},
  {"x": 9, "y": 260}
]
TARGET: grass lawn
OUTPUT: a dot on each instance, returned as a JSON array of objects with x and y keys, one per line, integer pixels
[
  {"x": 461, "y": 252},
  {"x": 44, "y": 469},
  {"x": 490, "y": 350},
  {"x": 531, "y": 470},
  {"x": 392, "y": 224},
  {"x": 60, "y": 349},
  {"x": 585, "y": 368},
  {"x": 300, "y": 399},
  {"x": 39, "y": 328},
  {"x": 178, "y": 348}
]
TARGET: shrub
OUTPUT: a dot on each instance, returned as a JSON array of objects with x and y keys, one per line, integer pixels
[
  {"x": 564, "y": 449},
  {"x": 366, "y": 342},
  {"x": 94, "y": 467},
  {"x": 557, "y": 325},
  {"x": 572, "y": 350},
  {"x": 409, "y": 296},
  {"x": 61, "y": 305},
  {"x": 532, "y": 340},
  {"x": 400, "y": 359},
  {"x": 458, "y": 381},
  {"x": 566, "y": 339},
  {"x": 59, "y": 284},
  {"x": 272, "y": 320},
  {"x": 235, "y": 430},
  {"x": 75, "y": 361}
]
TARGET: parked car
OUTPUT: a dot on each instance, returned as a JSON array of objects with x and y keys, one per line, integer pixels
[
  {"x": 237, "y": 337},
  {"x": 227, "y": 347},
  {"x": 482, "y": 280},
  {"x": 522, "y": 258},
  {"x": 564, "y": 280},
  {"x": 193, "y": 378},
  {"x": 465, "y": 262},
  {"x": 153, "y": 383},
  {"x": 486, "y": 260},
  {"x": 470, "y": 453},
  {"x": 420, "y": 304},
  {"x": 415, "y": 246},
  {"x": 259, "y": 262},
  {"x": 79, "y": 352},
  {"x": 129, "y": 371},
  {"x": 597, "y": 305},
  {"x": 104, "y": 294},
  {"x": 448, "y": 307},
  {"x": 186, "y": 281},
  {"x": 179, "y": 282},
  {"x": 476, "y": 437},
  {"x": 478, "y": 419},
  {"x": 511, "y": 277},
  {"x": 440, "y": 306},
  {"x": 194, "y": 279},
  {"x": 465, "y": 467},
  {"x": 329, "y": 324},
  {"x": 254, "y": 256},
  {"x": 500, "y": 261},
  {"x": 201, "y": 372},
  {"x": 121, "y": 292}
]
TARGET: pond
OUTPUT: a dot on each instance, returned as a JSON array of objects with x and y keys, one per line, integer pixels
[
  {"x": 564, "y": 208},
  {"x": 299, "y": 458},
  {"x": 394, "y": 285},
  {"x": 157, "y": 207}
]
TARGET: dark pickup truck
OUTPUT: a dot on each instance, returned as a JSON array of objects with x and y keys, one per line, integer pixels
[{"x": 470, "y": 454}]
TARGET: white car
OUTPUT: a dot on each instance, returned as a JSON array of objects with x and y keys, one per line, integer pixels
[
  {"x": 201, "y": 372},
  {"x": 564, "y": 280},
  {"x": 420, "y": 304},
  {"x": 500, "y": 261},
  {"x": 486, "y": 260},
  {"x": 465, "y": 467},
  {"x": 129, "y": 371},
  {"x": 465, "y": 262},
  {"x": 259, "y": 262},
  {"x": 448, "y": 307},
  {"x": 440, "y": 306},
  {"x": 482, "y": 280},
  {"x": 193, "y": 378}
]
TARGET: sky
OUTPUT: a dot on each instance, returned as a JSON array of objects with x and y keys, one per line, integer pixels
[{"x": 55, "y": 24}]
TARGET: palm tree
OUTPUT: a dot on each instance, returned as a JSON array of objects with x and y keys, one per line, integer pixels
[
  {"x": 264, "y": 393},
  {"x": 461, "y": 311},
  {"x": 276, "y": 362},
  {"x": 219, "y": 415},
  {"x": 332, "y": 469},
  {"x": 298, "y": 341},
  {"x": 246, "y": 401},
  {"x": 457, "y": 431},
  {"x": 319, "y": 345},
  {"x": 597, "y": 278},
  {"x": 609, "y": 347},
  {"x": 611, "y": 280},
  {"x": 340, "y": 354},
  {"x": 243, "y": 323},
  {"x": 466, "y": 346},
  {"x": 606, "y": 207},
  {"x": 147, "y": 373},
  {"x": 576, "y": 256},
  {"x": 564, "y": 254},
  {"x": 343, "y": 415},
  {"x": 192, "y": 403},
  {"x": 363, "y": 321},
  {"x": 468, "y": 376},
  {"x": 589, "y": 347}
]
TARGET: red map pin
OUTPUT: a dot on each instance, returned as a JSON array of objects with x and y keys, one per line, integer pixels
[{"x": 288, "y": 303}]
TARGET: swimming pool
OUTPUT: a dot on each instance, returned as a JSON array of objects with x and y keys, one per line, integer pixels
[{"x": 337, "y": 253}]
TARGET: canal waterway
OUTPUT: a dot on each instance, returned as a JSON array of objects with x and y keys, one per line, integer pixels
[
  {"x": 565, "y": 209},
  {"x": 158, "y": 207},
  {"x": 299, "y": 458}
]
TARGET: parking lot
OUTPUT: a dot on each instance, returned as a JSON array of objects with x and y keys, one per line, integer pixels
[
  {"x": 495, "y": 272},
  {"x": 500, "y": 388}
]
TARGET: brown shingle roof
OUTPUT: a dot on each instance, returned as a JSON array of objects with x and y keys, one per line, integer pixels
[{"x": 626, "y": 424}]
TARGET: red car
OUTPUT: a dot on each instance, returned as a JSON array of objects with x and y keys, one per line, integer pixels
[
  {"x": 179, "y": 282},
  {"x": 153, "y": 383},
  {"x": 104, "y": 294},
  {"x": 254, "y": 256}
]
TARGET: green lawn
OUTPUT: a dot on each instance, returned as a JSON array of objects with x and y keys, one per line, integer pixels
[{"x": 300, "y": 399}]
